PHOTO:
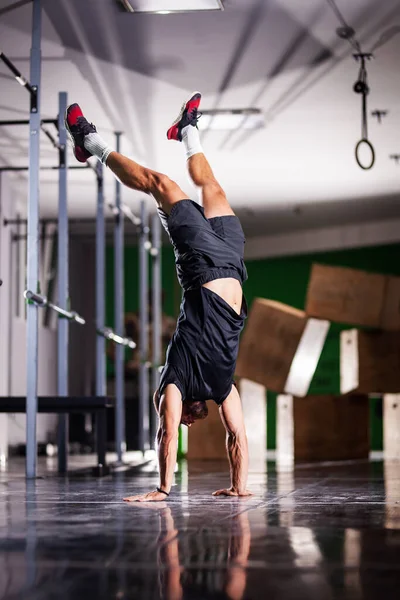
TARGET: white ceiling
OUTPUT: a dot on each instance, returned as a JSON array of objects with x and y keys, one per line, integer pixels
[{"x": 132, "y": 72}]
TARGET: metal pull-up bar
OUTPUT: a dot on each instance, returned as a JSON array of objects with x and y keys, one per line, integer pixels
[
  {"x": 126, "y": 211},
  {"x": 109, "y": 334},
  {"x": 42, "y": 301},
  {"x": 21, "y": 80}
]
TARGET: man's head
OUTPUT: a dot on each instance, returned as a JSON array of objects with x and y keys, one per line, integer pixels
[{"x": 193, "y": 411}]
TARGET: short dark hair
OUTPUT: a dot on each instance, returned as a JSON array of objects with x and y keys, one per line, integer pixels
[{"x": 198, "y": 409}]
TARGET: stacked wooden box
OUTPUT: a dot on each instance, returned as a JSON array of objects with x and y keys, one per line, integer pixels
[{"x": 281, "y": 347}]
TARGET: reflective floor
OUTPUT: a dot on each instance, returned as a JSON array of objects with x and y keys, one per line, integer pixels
[{"x": 318, "y": 533}]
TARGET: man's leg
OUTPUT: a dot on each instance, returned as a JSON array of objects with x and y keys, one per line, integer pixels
[
  {"x": 184, "y": 129},
  {"x": 215, "y": 203},
  {"x": 87, "y": 142},
  {"x": 165, "y": 191}
]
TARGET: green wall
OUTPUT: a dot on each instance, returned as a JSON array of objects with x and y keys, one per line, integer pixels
[{"x": 283, "y": 279}]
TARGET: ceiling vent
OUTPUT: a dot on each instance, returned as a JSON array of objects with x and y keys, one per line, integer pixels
[{"x": 166, "y": 7}]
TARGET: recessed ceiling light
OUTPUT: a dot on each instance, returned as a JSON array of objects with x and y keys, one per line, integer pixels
[
  {"x": 228, "y": 120},
  {"x": 164, "y": 7}
]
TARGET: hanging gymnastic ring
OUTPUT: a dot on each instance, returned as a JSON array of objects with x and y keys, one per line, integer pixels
[{"x": 365, "y": 141}]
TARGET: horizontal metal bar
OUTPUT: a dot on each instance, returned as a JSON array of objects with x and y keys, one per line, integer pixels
[
  {"x": 51, "y": 138},
  {"x": 42, "y": 301},
  {"x": 57, "y": 404},
  {"x": 11, "y": 7},
  {"x": 72, "y": 221},
  {"x": 8, "y": 122},
  {"x": 117, "y": 339},
  {"x": 126, "y": 211},
  {"x": 55, "y": 168}
]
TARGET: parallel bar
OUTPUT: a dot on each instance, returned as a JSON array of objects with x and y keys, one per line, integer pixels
[
  {"x": 42, "y": 301},
  {"x": 8, "y": 122},
  {"x": 13, "y": 6},
  {"x": 63, "y": 286},
  {"x": 100, "y": 298},
  {"x": 73, "y": 167},
  {"x": 120, "y": 440},
  {"x": 144, "y": 425},
  {"x": 33, "y": 246},
  {"x": 109, "y": 334},
  {"x": 156, "y": 313}
]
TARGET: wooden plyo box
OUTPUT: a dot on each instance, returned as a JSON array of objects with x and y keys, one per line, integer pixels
[
  {"x": 355, "y": 297},
  {"x": 345, "y": 295},
  {"x": 390, "y": 319},
  {"x": 321, "y": 428},
  {"x": 369, "y": 362},
  {"x": 280, "y": 347},
  {"x": 206, "y": 438}
]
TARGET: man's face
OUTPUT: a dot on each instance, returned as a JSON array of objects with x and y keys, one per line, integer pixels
[{"x": 193, "y": 411}]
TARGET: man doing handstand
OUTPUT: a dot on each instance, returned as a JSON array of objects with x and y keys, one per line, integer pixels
[{"x": 208, "y": 244}]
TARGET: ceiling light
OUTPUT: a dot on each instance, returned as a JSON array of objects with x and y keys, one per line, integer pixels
[
  {"x": 228, "y": 120},
  {"x": 164, "y": 7}
]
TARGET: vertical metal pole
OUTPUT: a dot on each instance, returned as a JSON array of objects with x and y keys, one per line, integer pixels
[
  {"x": 144, "y": 425},
  {"x": 33, "y": 245},
  {"x": 63, "y": 287},
  {"x": 156, "y": 313},
  {"x": 100, "y": 293},
  {"x": 119, "y": 318}
]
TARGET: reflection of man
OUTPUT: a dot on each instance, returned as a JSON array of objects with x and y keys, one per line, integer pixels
[{"x": 172, "y": 574}]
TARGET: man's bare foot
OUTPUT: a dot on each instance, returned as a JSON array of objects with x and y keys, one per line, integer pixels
[
  {"x": 149, "y": 497},
  {"x": 231, "y": 492}
]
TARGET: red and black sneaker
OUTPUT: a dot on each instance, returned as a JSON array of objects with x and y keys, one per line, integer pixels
[
  {"x": 188, "y": 115},
  {"x": 77, "y": 127}
]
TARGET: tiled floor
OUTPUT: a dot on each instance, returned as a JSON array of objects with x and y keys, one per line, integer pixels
[{"x": 318, "y": 533}]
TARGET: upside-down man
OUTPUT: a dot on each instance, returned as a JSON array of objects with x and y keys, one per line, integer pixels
[{"x": 208, "y": 244}]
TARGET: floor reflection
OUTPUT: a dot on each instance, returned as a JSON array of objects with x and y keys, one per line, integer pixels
[{"x": 321, "y": 532}]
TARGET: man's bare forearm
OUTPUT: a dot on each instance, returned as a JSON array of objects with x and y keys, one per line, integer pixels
[
  {"x": 167, "y": 452},
  {"x": 238, "y": 456}
]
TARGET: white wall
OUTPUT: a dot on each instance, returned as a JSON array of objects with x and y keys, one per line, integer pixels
[
  {"x": 13, "y": 338},
  {"x": 324, "y": 239}
]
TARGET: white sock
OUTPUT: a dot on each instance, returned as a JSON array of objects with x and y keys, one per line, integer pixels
[
  {"x": 191, "y": 140},
  {"x": 95, "y": 144}
]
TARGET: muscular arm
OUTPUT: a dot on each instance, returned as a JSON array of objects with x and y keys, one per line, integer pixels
[
  {"x": 236, "y": 445},
  {"x": 170, "y": 412},
  {"x": 167, "y": 440}
]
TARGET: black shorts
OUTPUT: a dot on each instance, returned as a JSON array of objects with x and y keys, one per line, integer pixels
[
  {"x": 205, "y": 249},
  {"x": 201, "y": 357}
]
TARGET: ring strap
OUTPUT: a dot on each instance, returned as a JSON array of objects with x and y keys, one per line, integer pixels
[{"x": 162, "y": 491}]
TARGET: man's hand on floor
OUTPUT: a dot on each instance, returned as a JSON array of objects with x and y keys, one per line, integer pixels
[
  {"x": 149, "y": 497},
  {"x": 232, "y": 492}
]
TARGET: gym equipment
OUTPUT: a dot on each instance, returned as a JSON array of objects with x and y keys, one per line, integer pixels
[
  {"x": 119, "y": 293},
  {"x": 66, "y": 405},
  {"x": 339, "y": 293},
  {"x": 42, "y": 301},
  {"x": 109, "y": 334},
  {"x": 308, "y": 429},
  {"x": 361, "y": 87},
  {"x": 369, "y": 362},
  {"x": 144, "y": 390},
  {"x": 280, "y": 347}
]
